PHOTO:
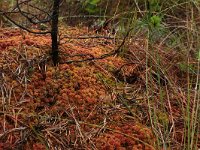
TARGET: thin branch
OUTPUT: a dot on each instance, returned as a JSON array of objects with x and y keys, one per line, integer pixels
[
  {"x": 90, "y": 37},
  {"x": 77, "y": 55},
  {"x": 104, "y": 55},
  {"x": 22, "y": 2},
  {"x": 22, "y": 27},
  {"x": 25, "y": 14}
]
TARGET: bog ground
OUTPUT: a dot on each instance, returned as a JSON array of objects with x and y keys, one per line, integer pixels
[{"x": 100, "y": 104}]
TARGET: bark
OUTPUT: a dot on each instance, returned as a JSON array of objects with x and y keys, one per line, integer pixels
[{"x": 54, "y": 32}]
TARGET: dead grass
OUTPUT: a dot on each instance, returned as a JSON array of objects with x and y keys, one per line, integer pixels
[{"x": 92, "y": 105}]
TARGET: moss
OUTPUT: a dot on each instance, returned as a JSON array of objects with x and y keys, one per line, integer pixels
[
  {"x": 163, "y": 118},
  {"x": 110, "y": 68},
  {"x": 67, "y": 74},
  {"x": 106, "y": 80},
  {"x": 31, "y": 70}
]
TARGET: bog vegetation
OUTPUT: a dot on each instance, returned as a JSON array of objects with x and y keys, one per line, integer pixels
[{"x": 100, "y": 74}]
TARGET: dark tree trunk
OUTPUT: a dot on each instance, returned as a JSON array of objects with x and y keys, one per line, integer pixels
[{"x": 54, "y": 32}]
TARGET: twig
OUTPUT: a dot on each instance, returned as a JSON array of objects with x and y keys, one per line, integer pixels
[
  {"x": 12, "y": 130},
  {"x": 90, "y": 37},
  {"x": 104, "y": 55},
  {"x": 22, "y": 27}
]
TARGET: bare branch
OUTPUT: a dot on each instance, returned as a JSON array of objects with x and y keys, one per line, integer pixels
[
  {"x": 104, "y": 55},
  {"x": 31, "y": 19},
  {"x": 22, "y": 27},
  {"x": 90, "y": 37}
]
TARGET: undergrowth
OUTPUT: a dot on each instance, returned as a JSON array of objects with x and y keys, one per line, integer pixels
[{"x": 145, "y": 97}]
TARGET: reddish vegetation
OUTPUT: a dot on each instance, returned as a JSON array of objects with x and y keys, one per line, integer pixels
[
  {"x": 70, "y": 98},
  {"x": 73, "y": 105}
]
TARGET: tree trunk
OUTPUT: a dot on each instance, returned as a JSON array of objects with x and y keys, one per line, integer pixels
[{"x": 54, "y": 32}]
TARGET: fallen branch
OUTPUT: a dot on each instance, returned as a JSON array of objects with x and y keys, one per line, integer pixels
[
  {"x": 92, "y": 58},
  {"x": 90, "y": 37}
]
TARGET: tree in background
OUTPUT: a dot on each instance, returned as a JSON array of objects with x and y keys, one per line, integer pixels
[
  {"x": 36, "y": 16},
  {"x": 35, "y": 13}
]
